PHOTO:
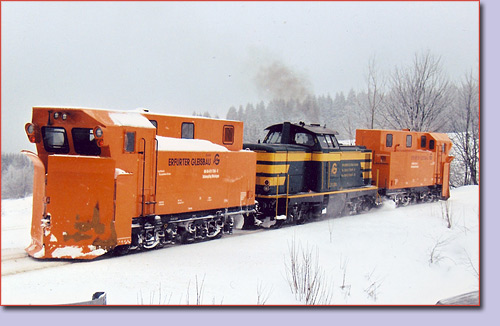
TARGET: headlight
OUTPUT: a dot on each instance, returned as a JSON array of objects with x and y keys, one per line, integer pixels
[
  {"x": 98, "y": 132},
  {"x": 56, "y": 115},
  {"x": 30, "y": 128},
  {"x": 32, "y": 132},
  {"x": 266, "y": 186}
]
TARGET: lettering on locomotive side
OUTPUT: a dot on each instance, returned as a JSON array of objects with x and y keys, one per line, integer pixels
[
  {"x": 178, "y": 162},
  {"x": 421, "y": 157},
  {"x": 195, "y": 161},
  {"x": 210, "y": 174}
]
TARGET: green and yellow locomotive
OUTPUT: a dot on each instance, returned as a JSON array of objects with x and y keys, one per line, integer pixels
[{"x": 303, "y": 172}]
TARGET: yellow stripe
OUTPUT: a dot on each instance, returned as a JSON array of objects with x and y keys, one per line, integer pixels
[
  {"x": 326, "y": 157},
  {"x": 272, "y": 169},
  {"x": 283, "y": 156},
  {"x": 347, "y": 156},
  {"x": 319, "y": 193},
  {"x": 366, "y": 165}
]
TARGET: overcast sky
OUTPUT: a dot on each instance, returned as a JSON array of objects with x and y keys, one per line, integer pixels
[{"x": 184, "y": 57}]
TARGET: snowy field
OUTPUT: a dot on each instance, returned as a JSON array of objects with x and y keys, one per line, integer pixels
[{"x": 388, "y": 256}]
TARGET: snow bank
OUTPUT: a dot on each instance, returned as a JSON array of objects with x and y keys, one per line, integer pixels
[{"x": 188, "y": 145}]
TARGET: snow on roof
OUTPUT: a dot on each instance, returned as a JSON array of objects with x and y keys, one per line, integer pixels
[
  {"x": 188, "y": 145},
  {"x": 130, "y": 119}
]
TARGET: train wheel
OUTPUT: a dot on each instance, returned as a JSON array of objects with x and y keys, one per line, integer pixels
[{"x": 406, "y": 200}]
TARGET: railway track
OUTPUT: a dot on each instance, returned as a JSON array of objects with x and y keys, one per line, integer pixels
[{"x": 15, "y": 261}]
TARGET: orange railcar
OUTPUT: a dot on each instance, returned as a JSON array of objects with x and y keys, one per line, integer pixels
[
  {"x": 106, "y": 179},
  {"x": 409, "y": 165}
]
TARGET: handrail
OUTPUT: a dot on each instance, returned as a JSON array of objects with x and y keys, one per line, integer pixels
[{"x": 143, "y": 174}]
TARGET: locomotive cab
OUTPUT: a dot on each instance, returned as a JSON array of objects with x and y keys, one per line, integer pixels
[{"x": 88, "y": 161}]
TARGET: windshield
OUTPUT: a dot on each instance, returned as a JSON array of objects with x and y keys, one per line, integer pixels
[
  {"x": 55, "y": 139},
  {"x": 84, "y": 141},
  {"x": 273, "y": 137},
  {"x": 328, "y": 142}
]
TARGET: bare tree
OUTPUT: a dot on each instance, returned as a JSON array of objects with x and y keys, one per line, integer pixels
[
  {"x": 374, "y": 95},
  {"x": 465, "y": 126},
  {"x": 419, "y": 96}
]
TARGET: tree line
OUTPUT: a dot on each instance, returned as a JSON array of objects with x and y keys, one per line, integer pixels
[
  {"x": 419, "y": 97},
  {"x": 17, "y": 176}
]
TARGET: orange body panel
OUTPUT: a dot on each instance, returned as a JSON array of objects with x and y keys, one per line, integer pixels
[
  {"x": 197, "y": 181},
  {"x": 405, "y": 159}
]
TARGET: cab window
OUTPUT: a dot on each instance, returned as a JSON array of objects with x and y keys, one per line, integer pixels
[
  {"x": 55, "y": 140},
  {"x": 129, "y": 143},
  {"x": 408, "y": 141},
  {"x": 273, "y": 137},
  {"x": 228, "y": 135},
  {"x": 84, "y": 141},
  {"x": 187, "y": 130},
  {"x": 388, "y": 140},
  {"x": 301, "y": 138},
  {"x": 327, "y": 142},
  {"x": 423, "y": 141}
]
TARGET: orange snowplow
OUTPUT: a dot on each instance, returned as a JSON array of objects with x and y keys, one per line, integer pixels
[{"x": 132, "y": 180}]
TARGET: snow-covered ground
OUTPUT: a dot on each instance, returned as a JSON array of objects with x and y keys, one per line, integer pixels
[{"x": 382, "y": 257}]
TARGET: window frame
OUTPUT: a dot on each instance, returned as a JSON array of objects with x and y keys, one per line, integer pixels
[
  {"x": 127, "y": 142},
  {"x": 389, "y": 140},
  {"x": 423, "y": 141},
  {"x": 89, "y": 148},
  {"x": 64, "y": 149},
  {"x": 191, "y": 132},
  {"x": 409, "y": 141},
  {"x": 225, "y": 129}
]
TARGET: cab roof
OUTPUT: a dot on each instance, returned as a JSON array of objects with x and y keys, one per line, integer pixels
[{"x": 314, "y": 128}]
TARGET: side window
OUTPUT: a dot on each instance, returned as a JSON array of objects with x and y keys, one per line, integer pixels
[
  {"x": 129, "y": 145},
  {"x": 423, "y": 141},
  {"x": 324, "y": 141},
  {"x": 228, "y": 137},
  {"x": 388, "y": 140},
  {"x": 302, "y": 138},
  {"x": 187, "y": 130},
  {"x": 431, "y": 144},
  {"x": 335, "y": 143},
  {"x": 408, "y": 141},
  {"x": 154, "y": 123}
]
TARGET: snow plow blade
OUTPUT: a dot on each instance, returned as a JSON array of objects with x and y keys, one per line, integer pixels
[{"x": 73, "y": 214}]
